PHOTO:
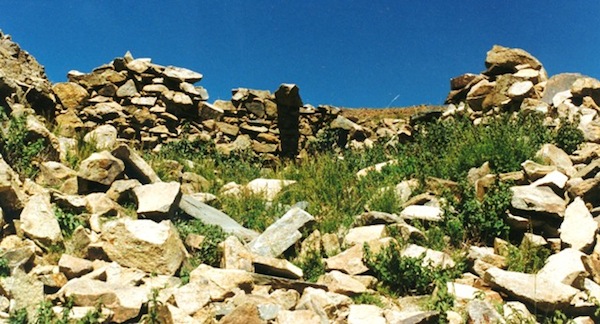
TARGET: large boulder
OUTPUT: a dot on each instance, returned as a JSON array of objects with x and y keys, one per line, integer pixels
[
  {"x": 547, "y": 295},
  {"x": 12, "y": 196},
  {"x": 282, "y": 234},
  {"x": 539, "y": 200},
  {"x": 100, "y": 168},
  {"x": 71, "y": 95},
  {"x": 38, "y": 221},
  {"x": 135, "y": 166},
  {"x": 578, "y": 229},
  {"x": 144, "y": 244},
  {"x": 157, "y": 199},
  {"x": 23, "y": 78},
  {"x": 500, "y": 60}
]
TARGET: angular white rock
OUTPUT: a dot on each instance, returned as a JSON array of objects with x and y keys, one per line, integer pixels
[
  {"x": 578, "y": 229},
  {"x": 38, "y": 221}
]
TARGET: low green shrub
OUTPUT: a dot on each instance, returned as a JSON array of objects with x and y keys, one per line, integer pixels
[
  {"x": 213, "y": 235},
  {"x": 18, "y": 317},
  {"x": 406, "y": 275},
  {"x": 4, "y": 268},
  {"x": 568, "y": 137},
  {"x": 479, "y": 221},
  {"x": 68, "y": 221},
  {"x": 368, "y": 299},
  {"x": 312, "y": 265},
  {"x": 526, "y": 258},
  {"x": 18, "y": 148}
]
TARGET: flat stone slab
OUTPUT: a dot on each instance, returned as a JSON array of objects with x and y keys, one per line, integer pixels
[
  {"x": 421, "y": 212},
  {"x": 537, "y": 199},
  {"x": 546, "y": 295},
  {"x": 282, "y": 234},
  {"x": 212, "y": 216}
]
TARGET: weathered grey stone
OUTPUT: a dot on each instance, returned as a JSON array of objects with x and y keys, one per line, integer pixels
[
  {"x": 359, "y": 314},
  {"x": 375, "y": 168},
  {"x": 191, "y": 297},
  {"x": 144, "y": 244},
  {"x": 578, "y": 228},
  {"x": 282, "y": 234},
  {"x": 240, "y": 144},
  {"x": 158, "y": 199},
  {"x": 102, "y": 168},
  {"x": 212, "y": 216},
  {"x": 74, "y": 267},
  {"x": 586, "y": 86},
  {"x": 481, "y": 311},
  {"x": 537, "y": 199},
  {"x": 546, "y": 295},
  {"x": 351, "y": 260},
  {"x": 221, "y": 283},
  {"x": 421, "y": 212},
  {"x": 501, "y": 60},
  {"x": 104, "y": 137},
  {"x": 341, "y": 283},
  {"x": 515, "y": 312},
  {"x": 565, "y": 266},
  {"x": 25, "y": 290},
  {"x": 235, "y": 255},
  {"x": 12, "y": 197},
  {"x": 558, "y": 83},
  {"x": 520, "y": 90},
  {"x": 288, "y": 95},
  {"x": 329, "y": 306},
  {"x": 181, "y": 74},
  {"x": 135, "y": 166},
  {"x": 54, "y": 173},
  {"x": 139, "y": 65},
  {"x": 128, "y": 89},
  {"x": 431, "y": 258},
  {"x": 552, "y": 155},
  {"x": 554, "y": 179},
  {"x": 38, "y": 221},
  {"x": 124, "y": 301},
  {"x": 208, "y": 111},
  {"x": 360, "y": 235},
  {"x": 276, "y": 267}
]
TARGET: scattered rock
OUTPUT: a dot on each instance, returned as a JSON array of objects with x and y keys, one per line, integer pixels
[
  {"x": 282, "y": 234},
  {"x": 143, "y": 244},
  {"x": 157, "y": 200}
]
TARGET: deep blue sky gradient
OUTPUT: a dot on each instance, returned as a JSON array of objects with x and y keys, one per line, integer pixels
[{"x": 347, "y": 53}]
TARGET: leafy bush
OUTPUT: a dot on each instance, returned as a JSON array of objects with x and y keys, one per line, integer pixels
[
  {"x": 568, "y": 137},
  {"x": 369, "y": 299},
  {"x": 449, "y": 148},
  {"x": 405, "y": 275},
  {"x": 312, "y": 266},
  {"x": 18, "y": 148},
  {"x": 4, "y": 269},
  {"x": 213, "y": 235},
  {"x": 479, "y": 221},
  {"x": 68, "y": 221},
  {"x": 526, "y": 258},
  {"x": 18, "y": 317}
]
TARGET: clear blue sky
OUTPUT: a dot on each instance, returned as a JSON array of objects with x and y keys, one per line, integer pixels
[{"x": 345, "y": 53}]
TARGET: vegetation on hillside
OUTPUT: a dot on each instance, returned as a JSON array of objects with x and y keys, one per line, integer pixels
[{"x": 445, "y": 149}]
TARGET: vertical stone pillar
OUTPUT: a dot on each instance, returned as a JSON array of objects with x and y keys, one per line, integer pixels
[{"x": 288, "y": 102}]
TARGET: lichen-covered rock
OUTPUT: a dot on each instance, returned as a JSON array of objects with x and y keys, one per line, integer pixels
[
  {"x": 38, "y": 221},
  {"x": 144, "y": 244},
  {"x": 100, "y": 168}
]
